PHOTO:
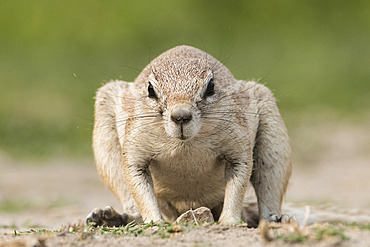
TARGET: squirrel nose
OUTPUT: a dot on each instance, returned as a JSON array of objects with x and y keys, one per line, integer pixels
[{"x": 181, "y": 115}]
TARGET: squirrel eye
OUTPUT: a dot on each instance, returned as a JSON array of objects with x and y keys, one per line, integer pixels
[
  {"x": 210, "y": 89},
  {"x": 151, "y": 92}
]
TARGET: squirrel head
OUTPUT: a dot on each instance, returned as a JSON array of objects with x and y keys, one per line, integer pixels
[{"x": 181, "y": 84}]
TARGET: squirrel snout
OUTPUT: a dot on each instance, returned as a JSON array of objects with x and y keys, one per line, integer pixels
[{"x": 181, "y": 115}]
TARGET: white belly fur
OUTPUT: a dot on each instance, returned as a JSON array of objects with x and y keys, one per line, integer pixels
[{"x": 188, "y": 176}]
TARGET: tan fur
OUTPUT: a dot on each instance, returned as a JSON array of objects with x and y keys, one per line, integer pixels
[{"x": 235, "y": 136}]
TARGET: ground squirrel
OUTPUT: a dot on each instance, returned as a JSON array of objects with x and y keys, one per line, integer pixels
[{"x": 187, "y": 134}]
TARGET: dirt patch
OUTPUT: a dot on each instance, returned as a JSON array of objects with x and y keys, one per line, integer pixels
[{"x": 212, "y": 235}]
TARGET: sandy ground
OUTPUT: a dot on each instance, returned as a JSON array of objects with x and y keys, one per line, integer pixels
[{"x": 49, "y": 195}]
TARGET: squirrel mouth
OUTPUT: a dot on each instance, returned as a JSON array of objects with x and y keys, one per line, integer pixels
[
  {"x": 182, "y": 137},
  {"x": 181, "y": 132}
]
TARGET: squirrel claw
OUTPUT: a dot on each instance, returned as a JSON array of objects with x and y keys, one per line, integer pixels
[{"x": 106, "y": 217}]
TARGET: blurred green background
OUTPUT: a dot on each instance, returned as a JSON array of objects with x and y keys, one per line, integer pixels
[{"x": 314, "y": 55}]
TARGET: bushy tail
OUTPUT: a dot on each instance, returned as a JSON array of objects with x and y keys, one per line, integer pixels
[
  {"x": 314, "y": 214},
  {"x": 307, "y": 215}
]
